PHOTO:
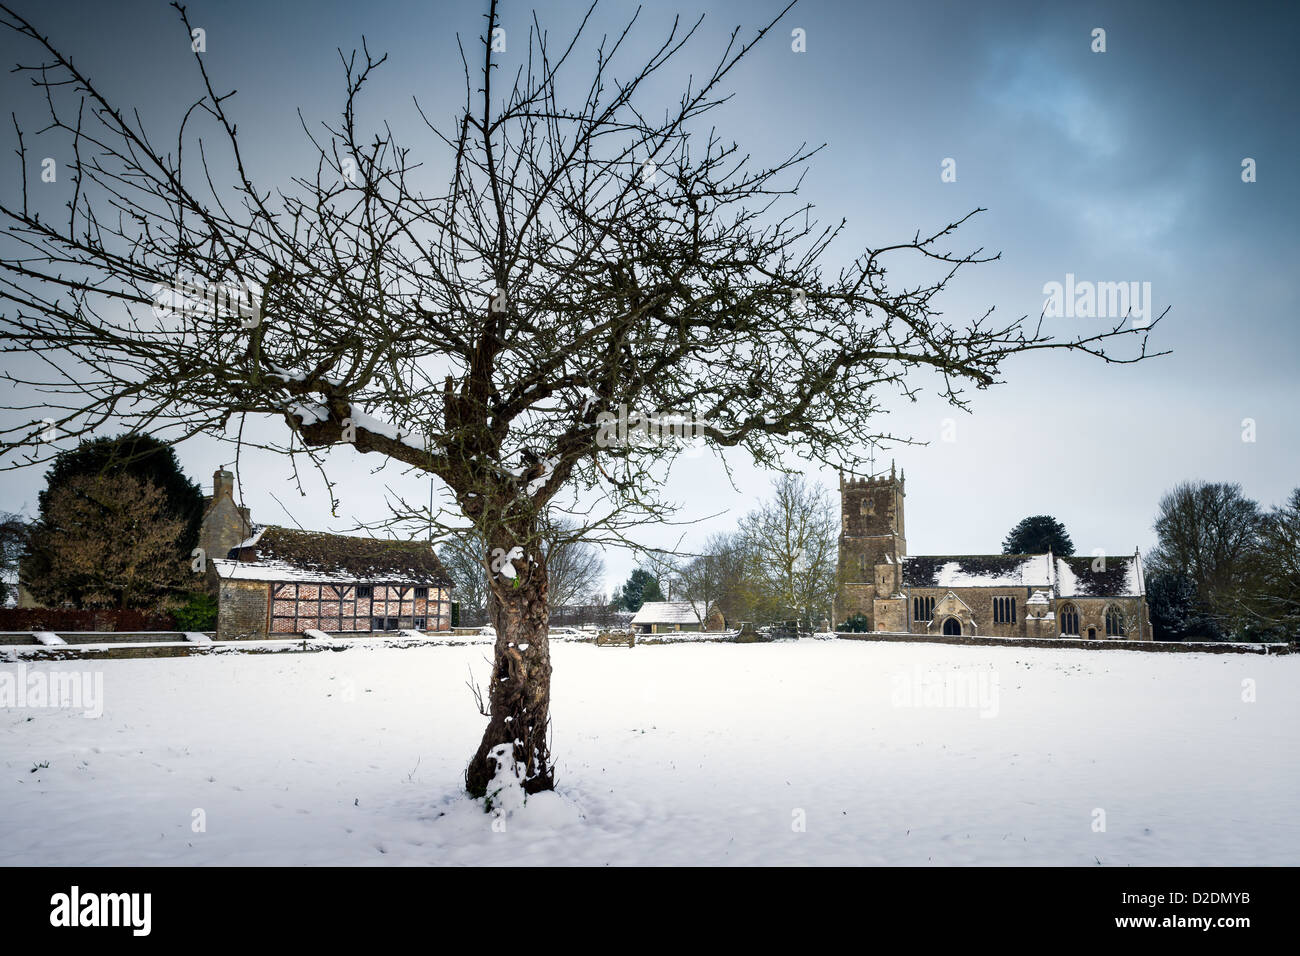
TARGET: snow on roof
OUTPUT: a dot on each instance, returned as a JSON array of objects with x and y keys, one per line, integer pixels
[
  {"x": 976, "y": 570},
  {"x": 670, "y": 612},
  {"x": 282, "y": 573},
  {"x": 1110, "y": 576},
  {"x": 1078, "y": 576},
  {"x": 286, "y": 554},
  {"x": 252, "y": 542}
]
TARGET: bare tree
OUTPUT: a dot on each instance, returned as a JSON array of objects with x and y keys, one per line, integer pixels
[
  {"x": 1272, "y": 598},
  {"x": 792, "y": 540},
  {"x": 13, "y": 540},
  {"x": 589, "y": 253},
  {"x": 575, "y": 567},
  {"x": 720, "y": 577},
  {"x": 462, "y": 556},
  {"x": 1208, "y": 532}
]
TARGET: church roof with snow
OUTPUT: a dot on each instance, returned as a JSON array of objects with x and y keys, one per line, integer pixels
[
  {"x": 977, "y": 570},
  {"x": 1079, "y": 576},
  {"x": 1117, "y": 575}
]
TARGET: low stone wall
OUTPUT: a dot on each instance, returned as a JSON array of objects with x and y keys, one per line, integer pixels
[
  {"x": 28, "y": 638},
  {"x": 176, "y": 646},
  {"x": 73, "y": 652},
  {"x": 1209, "y": 647}
]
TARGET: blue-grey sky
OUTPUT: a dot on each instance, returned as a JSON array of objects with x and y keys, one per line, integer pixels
[{"x": 1123, "y": 165}]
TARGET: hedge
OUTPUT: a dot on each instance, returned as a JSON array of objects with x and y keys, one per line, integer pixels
[{"x": 76, "y": 619}]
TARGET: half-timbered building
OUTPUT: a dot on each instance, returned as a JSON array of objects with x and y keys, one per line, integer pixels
[{"x": 283, "y": 582}]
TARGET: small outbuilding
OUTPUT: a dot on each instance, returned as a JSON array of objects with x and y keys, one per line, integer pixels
[{"x": 663, "y": 617}]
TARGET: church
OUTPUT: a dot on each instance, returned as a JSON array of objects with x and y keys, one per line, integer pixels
[{"x": 979, "y": 595}]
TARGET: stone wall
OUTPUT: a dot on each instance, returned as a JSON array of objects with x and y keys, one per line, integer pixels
[
  {"x": 973, "y": 606},
  {"x": 1210, "y": 647},
  {"x": 891, "y": 614},
  {"x": 854, "y": 599},
  {"x": 1092, "y": 614},
  {"x": 242, "y": 610}
]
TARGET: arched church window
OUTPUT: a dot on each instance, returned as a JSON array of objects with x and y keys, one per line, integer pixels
[
  {"x": 1114, "y": 622},
  {"x": 1070, "y": 620}
]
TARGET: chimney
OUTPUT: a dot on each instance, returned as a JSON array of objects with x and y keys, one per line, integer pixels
[{"x": 223, "y": 485}]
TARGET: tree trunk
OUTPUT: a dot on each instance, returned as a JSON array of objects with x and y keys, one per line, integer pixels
[{"x": 520, "y": 691}]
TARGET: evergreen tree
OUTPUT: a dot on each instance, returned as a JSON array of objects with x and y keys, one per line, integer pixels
[
  {"x": 641, "y": 587},
  {"x": 138, "y": 457},
  {"x": 142, "y": 457},
  {"x": 108, "y": 542},
  {"x": 1038, "y": 534},
  {"x": 1176, "y": 614}
]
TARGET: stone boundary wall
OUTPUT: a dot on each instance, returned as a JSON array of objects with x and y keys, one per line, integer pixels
[
  {"x": 74, "y": 638},
  {"x": 1208, "y": 647},
  {"x": 72, "y": 652}
]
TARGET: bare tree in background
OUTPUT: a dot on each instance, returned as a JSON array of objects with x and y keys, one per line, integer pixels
[
  {"x": 463, "y": 559},
  {"x": 792, "y": 541},
  {"x": 588, "y": 252},
  {"x": 13, "y": 539},
  {"x": 1208, "y": 532},
  {"x": 720, "y": 577},
  {"x": 1272, "y": 598},
  {"x": 575, "y": 567}
]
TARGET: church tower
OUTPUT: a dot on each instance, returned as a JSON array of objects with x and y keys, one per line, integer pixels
[{"x": 872, "y": 545}]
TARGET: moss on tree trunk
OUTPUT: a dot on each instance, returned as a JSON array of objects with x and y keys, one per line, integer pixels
[{"x": 520, "y": 690}]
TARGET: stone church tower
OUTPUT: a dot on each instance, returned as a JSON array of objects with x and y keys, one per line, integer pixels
[{"x": 872, "y": 544}]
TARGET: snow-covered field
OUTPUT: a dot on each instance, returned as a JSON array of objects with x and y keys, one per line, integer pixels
[{"x": 815, "y": 752}]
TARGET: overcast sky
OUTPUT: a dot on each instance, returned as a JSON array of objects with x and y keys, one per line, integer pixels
[{"x": 1120, "y": 166}]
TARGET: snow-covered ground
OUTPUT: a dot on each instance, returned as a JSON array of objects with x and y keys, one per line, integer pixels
[{"x": 815, "y": 752}]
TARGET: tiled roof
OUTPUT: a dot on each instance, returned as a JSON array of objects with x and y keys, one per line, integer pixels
[{"x": 318, "y": 555}]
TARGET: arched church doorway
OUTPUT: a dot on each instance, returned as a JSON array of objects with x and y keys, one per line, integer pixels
[
  {"x": 1092, "y": 633},
  {"x": 952, "y": 626}
]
